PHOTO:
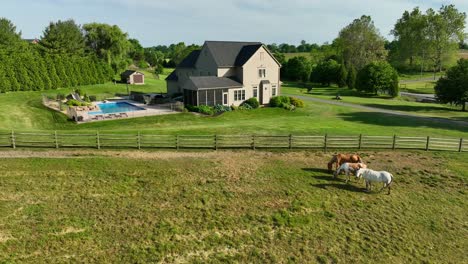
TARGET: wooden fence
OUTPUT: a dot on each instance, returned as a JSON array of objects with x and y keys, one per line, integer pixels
[{"x": 137, "y": 140}]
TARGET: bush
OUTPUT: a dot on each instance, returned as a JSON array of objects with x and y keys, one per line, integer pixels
[
  {"x": 86, "y": 98},
  {"x": 92, "y": 98},
  {"x": 60, "y": 96},
  {"x": 278, "y": 101},
  {"x": 253, "y": 102},
  {"x": 245, "y": 107},
  {"x": 78, "y": 91},
  {"x": 221, "y": 108},
  {"x": 296, "y": 102},
  {"x": 74, "y": 102},
  {"x": 289, "y": 107},
  {"x": 204, "y": 109}
]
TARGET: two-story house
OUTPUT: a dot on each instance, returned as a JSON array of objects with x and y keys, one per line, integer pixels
[{"x": 227, "y": 73}]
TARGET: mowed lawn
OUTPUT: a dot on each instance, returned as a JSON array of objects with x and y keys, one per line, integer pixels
[
  {"x": 402, "y": 104},
  {"x": 23, "y": 111},
  {"x": 245, "y": 206}
]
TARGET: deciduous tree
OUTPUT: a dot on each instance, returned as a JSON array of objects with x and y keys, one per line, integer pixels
[{"x": 453, "y": 87}]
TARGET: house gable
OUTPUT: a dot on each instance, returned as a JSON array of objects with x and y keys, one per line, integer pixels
[{"x": 206, "y": 64}]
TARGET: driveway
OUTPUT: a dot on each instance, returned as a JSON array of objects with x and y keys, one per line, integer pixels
[{"x": 381, "y": 110}]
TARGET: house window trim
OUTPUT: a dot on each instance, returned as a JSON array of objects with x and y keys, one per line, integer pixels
[
  {"x": 239, "y": 95},
  {"x": 261, "y": 72},
  {"x": 274, "y": 90}
]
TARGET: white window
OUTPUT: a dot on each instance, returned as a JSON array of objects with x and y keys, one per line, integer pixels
[
  {"x": 273, "y": 89},
  {"x": 261, "y": 73},
  {"x": 239, "y": 95},
  {"x": 255, "y": 91}
]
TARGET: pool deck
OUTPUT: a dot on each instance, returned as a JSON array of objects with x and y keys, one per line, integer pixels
[{"x": 149, "y": 110}]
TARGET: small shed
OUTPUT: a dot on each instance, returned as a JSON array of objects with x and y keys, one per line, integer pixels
[{"x": 132, "y": 77}]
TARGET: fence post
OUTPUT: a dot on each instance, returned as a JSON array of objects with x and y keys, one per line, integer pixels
[
  {"x": 253, "y": 142},
  {"x": 325, "y": 143},
  {"x": 13, "y": 140},
  {"x": 460, "y": 146},
  {"x": 427, "y": 143},
  {"x": 360, "y": 141},
  {"x": 216, "y": 142},
  {"x": 177, "y": 142},
  {"x": 139, "y": 140},
  {"x": 56, "y": 139},
  {"x": 394, "y": 142},
  {"x": 290, "y": 141},
  {"x": 98, "y": 141}
]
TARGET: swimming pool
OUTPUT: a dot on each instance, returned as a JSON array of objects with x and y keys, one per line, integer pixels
[{"x": 116, "y": 107}]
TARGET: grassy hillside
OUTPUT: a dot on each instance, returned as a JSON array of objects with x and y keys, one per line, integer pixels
[{"x": 140, "y": 207}]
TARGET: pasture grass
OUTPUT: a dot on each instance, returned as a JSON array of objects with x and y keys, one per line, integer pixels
[{"x": 228, "y": 206}]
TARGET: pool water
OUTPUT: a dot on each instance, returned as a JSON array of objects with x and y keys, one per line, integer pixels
[{"x": 116, "y": 107}]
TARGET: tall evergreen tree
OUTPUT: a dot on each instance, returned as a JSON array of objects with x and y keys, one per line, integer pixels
[{"x": 63, "y": 37}]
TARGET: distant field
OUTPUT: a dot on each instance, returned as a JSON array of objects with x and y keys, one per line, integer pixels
[
  {"x": 463, "y": 54},
  {"x": 239, "y": 206},
  {"x": 291, "y": 55},
  {"x": 423, "y": 87}
]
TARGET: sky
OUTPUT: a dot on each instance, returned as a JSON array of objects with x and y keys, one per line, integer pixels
[{"x": 161, "y": 22}]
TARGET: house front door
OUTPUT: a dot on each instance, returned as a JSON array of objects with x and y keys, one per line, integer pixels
[
  {"x": 265, "y": 93},
  {"x": 225, "y": 98}
]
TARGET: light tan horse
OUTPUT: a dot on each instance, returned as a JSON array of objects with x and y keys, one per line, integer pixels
[{"x": 339, "y": 159}]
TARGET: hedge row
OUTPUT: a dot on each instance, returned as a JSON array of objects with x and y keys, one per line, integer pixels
[{"x": 29, "y": 70}]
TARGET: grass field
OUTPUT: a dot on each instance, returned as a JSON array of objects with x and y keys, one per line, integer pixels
[
  {"x": 174, "y": 207},
  {"x": 398, "y": 104},
  {"x": 24, "y": 111},
  {"x": 423, "y": 87}
]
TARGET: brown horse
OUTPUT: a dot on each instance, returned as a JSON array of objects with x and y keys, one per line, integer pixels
[{"x": 339, "y": 159}]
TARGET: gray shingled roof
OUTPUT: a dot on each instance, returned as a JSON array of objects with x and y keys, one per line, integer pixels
[
  {"x": 127, "y": 73},
  {"x": 226, "y": 53},
  {"x": 211, "y": 82},
  {"x": 172, "y": 76},
  {"x": 190, "y": 60}
]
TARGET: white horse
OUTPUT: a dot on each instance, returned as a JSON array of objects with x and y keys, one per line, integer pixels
[
  {"x": 349, "y": 167},
  {"x": 375, "y": 176}
]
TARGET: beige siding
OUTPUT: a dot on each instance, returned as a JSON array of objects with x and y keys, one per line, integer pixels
[
  {"x": 250, "y": 76},
  {"x": 227, "y": 72}
]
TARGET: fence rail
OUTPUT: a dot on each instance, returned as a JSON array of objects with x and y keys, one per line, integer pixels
[{"x": 138, "y": 140}]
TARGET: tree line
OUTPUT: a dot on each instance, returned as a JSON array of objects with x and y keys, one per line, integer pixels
[
  {"x": 67, "y": 55},
  {"x": 361, "y": 58}
]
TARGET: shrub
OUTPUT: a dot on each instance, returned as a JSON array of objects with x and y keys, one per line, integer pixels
[
  {"x": 289, "y": 107},
  {"x": 60, "y": 96},
  {"x": 296, "y": 102},
  {"x": 278, "y": 101},
  {"x": 253, "y": 102},
  {"x": 221, "y": 108},
  {"x": 86, "y": 98},
  {"x": 92, "y": 98},
  {"x": 74, "y": 102},
  {"x": 204, "y": 109},
  {"x": 78, "y": 91},
  {"x": 245, "y": 107}
]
